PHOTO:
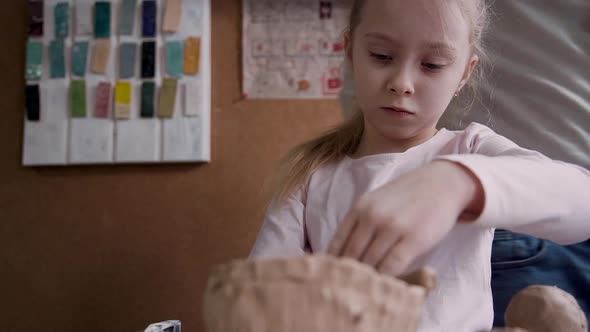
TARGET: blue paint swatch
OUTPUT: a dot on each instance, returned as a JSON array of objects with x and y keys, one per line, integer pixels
[
  {"x": 127, "y": 56},
  {"x": 149, "y": 10}
]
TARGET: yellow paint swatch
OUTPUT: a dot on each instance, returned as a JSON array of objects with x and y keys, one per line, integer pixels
[
  {"x": 192, "y": 55},
  {"x": 167, "y": 98},
  {"x": 123, "y": 100},
  {"x": 100, "y": 56}
]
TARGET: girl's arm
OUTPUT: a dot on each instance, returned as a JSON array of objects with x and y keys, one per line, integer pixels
[
  {"x": 488, "y": 181},
  {"x": 524, "y": 191},
  {"x": 282, "y": 232}
]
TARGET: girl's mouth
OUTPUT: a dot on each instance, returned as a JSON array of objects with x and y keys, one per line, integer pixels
[{"x": 397, "y": 111}]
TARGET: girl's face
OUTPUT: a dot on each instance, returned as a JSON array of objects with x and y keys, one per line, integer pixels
[{"x": 409, "y": 58}]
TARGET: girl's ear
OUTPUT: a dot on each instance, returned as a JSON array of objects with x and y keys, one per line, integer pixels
[
  {"x": 468, "y": 71},
  {"x": 348, "y": 44}
]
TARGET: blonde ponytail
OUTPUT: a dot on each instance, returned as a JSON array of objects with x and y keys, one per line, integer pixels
[{"x": 298, "y": 165}]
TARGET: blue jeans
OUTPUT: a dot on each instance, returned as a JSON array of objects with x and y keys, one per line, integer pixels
[{"x": 520, "y": 260}]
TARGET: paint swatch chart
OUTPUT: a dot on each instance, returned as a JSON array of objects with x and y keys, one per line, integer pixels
[{"x": 119, "y": 81}]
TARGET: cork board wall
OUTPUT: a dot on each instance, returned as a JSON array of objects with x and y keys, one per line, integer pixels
[{"x": 114, "y": 248}]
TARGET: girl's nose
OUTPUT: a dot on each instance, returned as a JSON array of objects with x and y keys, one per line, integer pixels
[{"x": 401, "y": 83}]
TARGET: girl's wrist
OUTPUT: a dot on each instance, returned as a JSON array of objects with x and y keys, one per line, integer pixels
[{"x": 467, "y": 187}]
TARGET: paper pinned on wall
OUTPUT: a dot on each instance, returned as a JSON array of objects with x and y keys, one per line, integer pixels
[{"x": 293, "y": 48}]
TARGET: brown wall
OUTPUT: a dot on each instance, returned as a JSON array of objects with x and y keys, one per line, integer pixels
[{"x": 115, "y": 248}]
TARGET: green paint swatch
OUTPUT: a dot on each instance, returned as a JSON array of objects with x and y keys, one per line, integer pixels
[
  {"x": 175, "y": 58},
  {"x": 57, "y": 67},
  {"x": 79, "y": 58},
  {"x": 102, "y": 19},
  {"x": 148, "y": 92},
  {"x": 78, "y": 98},
  {"x": 34, "y": 60},
  {"x": 127, "y": 17},
  {"x": 62, "y": 20}
]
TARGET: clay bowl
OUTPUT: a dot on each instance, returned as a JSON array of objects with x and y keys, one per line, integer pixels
[{"x": 311, "y": 293}]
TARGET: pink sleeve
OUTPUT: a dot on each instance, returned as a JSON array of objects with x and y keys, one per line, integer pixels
[
  {"x": 525, "y": 191},
  {"x": 282, "y": 232}
]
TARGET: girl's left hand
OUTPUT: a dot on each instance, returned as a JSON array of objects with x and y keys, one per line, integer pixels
[{"x": 390, "y": 227}]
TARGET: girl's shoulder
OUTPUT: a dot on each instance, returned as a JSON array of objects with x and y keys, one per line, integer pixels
[
  {"x": 480, "y": 139},
  {"x": 475, "y": 128}
]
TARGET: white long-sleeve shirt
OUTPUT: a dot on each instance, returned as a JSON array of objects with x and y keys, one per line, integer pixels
[{"x": 524, "y": 192}]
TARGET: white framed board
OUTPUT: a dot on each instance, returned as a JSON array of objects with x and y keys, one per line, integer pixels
[{"x": 118, "y": 82}]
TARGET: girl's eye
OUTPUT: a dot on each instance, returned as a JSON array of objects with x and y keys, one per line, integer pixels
[
  {"x": 381, "y": 57},
  {"x": 432, "y": 66}
]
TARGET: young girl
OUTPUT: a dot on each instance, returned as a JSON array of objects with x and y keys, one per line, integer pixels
[{"x": 388, "y": 189}]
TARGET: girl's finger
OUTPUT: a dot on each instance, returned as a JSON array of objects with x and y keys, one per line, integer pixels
[
  {"x": 342, "y": 234},
  {"x": 359, "y": 239},
  {"x": 399, "y": 257},
  {"x": 379, "y": 247}
]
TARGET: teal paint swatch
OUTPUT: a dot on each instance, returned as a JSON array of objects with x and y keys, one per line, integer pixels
[
  {"x": 102, "y": 19},
  {"x": 175, "y": 58},
  {"x": 127, "y": 58},
  {"x": 57, "y": 68},
  {"x": 79, "y": 58},
  {"x": 34, "y": 67},
  {"x": 127, "y": 17},
  {"x": 148, "y": 93},
  {"x": 62, "y": 20},
  {"x": 78, "y": 98}
]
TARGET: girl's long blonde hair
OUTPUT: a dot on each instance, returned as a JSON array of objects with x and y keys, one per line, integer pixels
[{"x": 298, "y": 165}]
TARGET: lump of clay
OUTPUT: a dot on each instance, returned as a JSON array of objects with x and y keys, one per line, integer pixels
[
  {"x": 545, "y": 309},
  {"x": 311, "y": 293}
]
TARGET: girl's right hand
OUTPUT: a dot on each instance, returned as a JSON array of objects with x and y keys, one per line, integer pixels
[{"x": 393, "y": 225}]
